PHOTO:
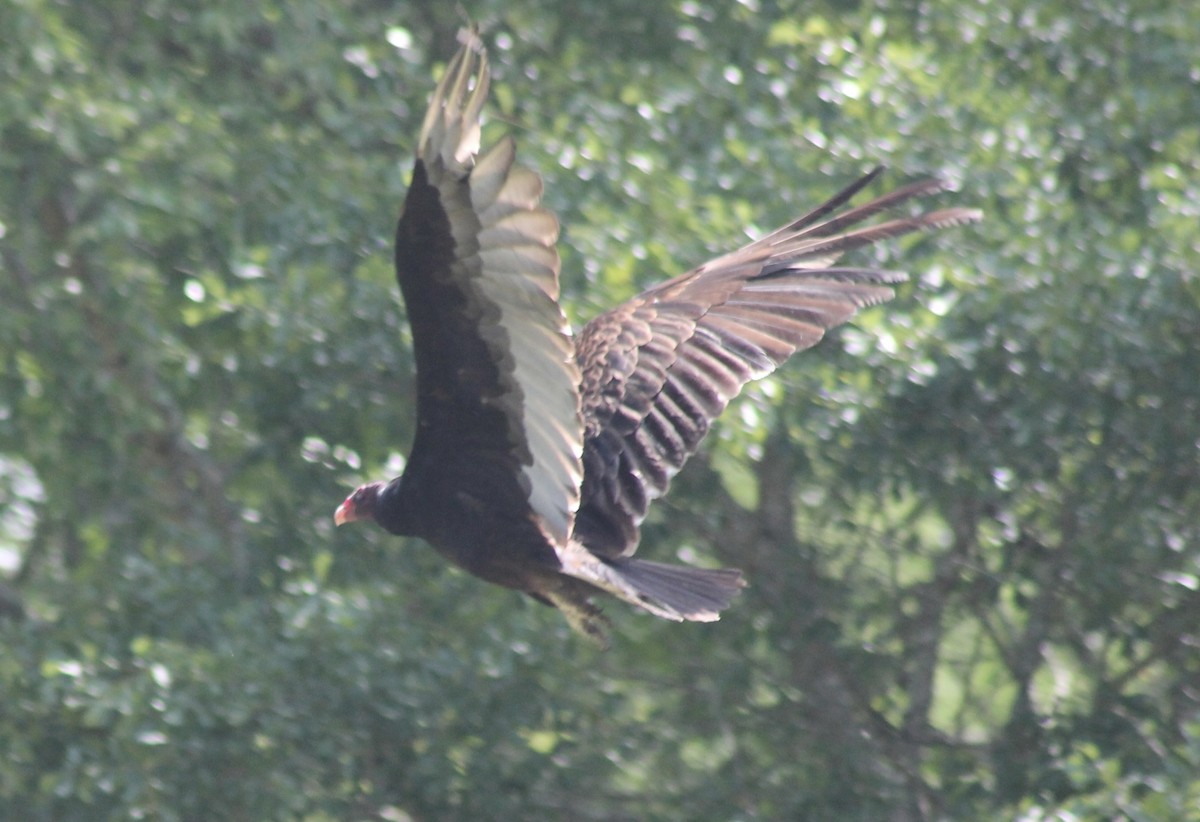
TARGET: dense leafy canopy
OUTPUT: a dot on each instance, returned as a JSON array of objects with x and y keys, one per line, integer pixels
[{"x": 970, "y": 522}]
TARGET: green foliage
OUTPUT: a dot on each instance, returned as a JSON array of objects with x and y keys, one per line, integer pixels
[{"x": 969, "y": 522}]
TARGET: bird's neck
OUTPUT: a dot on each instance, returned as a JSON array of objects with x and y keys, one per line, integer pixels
[{"x": 394, "y": 510}]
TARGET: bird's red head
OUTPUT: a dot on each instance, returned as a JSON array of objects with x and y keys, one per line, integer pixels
[{"x": 359, "y": 505}]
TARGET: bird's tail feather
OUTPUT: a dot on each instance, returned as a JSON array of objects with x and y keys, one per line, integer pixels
[
  {"x": 678, "y": 591},
  {"x": 675, "y": 592}
]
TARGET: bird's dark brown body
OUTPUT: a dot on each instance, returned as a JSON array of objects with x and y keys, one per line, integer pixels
[
  {"x": 464, "y": 521},
  {"x": 537, "y": 452}
]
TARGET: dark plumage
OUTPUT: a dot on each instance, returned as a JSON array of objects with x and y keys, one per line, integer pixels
[{"x": 536, "y": 452}]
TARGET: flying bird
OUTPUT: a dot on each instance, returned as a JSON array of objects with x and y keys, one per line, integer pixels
[{"x": 538, "y": 451}]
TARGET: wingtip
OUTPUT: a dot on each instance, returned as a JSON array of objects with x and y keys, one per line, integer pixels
[
  {"x": 950, "y": 217},
  {"x": 451, "y": 126},
  {"x": 469, "y": 37}
]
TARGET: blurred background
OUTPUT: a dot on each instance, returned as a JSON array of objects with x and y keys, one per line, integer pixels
[{"x": 970, "y": 521}]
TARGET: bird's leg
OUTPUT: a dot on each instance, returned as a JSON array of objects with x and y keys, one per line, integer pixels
[{"x": 583, "y": 617}]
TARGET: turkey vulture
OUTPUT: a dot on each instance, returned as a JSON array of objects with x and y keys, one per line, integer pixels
[{"x": 538, "y": 451}]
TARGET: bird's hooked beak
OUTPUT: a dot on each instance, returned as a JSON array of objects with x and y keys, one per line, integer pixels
[{"x": 345, "y": 513}]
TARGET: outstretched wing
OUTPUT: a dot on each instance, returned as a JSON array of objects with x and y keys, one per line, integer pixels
[
  {"x": 659, "y": 369},
  {"x": 497, "y": 383}
]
